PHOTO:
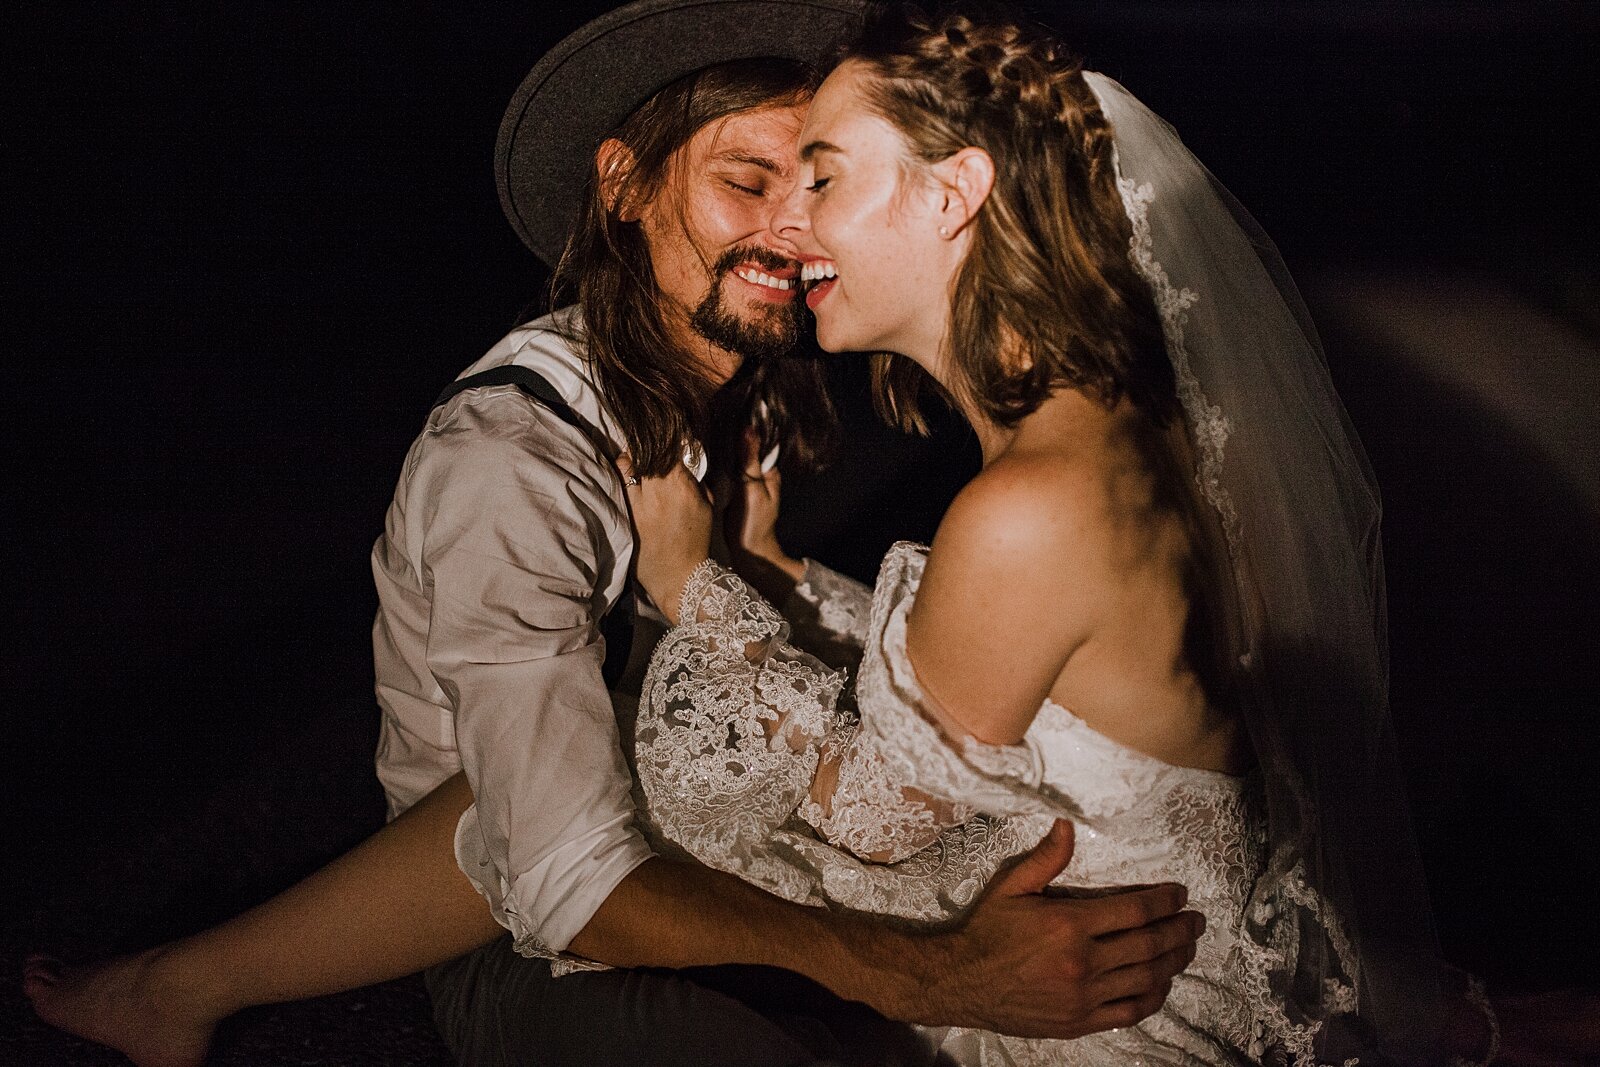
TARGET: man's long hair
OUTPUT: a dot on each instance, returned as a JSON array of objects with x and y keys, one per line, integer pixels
[{"x": 657, "y": 391}]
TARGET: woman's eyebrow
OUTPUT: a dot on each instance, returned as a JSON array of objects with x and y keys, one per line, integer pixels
[{"x": 811, "y": 148}]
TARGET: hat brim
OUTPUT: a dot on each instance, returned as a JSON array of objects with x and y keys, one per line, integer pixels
[{"x": 587, "y": 84}]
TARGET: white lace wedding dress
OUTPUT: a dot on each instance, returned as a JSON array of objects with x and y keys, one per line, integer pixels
[{"x": 733, "y": 721}]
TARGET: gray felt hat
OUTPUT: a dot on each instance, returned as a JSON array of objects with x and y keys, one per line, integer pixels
[{"x": 586, "y": 85}]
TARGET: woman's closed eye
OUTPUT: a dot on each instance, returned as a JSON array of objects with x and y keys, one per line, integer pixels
[
  {"x": 817, "y": 185},
  {"x": 746, "y": 189}
]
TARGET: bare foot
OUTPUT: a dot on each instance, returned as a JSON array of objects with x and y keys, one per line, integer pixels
[
  {"x": 123, "y": 1002},
  {"x": 1556, "y": 1029}
]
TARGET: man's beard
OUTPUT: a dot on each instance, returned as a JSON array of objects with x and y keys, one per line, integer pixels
[{"x": 768, "y": 332}]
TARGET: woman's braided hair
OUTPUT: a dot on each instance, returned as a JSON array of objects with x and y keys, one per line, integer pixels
[{"x": 1047, "y": 295}]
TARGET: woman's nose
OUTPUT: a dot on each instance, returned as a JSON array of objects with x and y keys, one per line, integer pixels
[{"x": 789, "y": 220}]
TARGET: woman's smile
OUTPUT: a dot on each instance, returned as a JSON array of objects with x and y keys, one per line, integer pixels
[{"x": 818, "y": 276}]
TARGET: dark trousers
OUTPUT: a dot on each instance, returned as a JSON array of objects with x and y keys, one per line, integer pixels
[{"x": 498, "y": 1009}]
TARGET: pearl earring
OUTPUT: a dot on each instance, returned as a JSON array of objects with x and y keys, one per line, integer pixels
[{"x": 944, "y": 231}]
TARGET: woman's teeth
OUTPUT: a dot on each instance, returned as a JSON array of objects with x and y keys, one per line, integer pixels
[
  {"x": 756, "y": 277},
  {"x": 817, "y": 270}
]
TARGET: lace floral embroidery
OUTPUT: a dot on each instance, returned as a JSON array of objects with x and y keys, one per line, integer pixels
[
  {"x": 732, "y": 724},
  {"x": 725, "y": 745},
  {"x": 1206, "y": 420},
  {"x": 869, "y": 812},
  {"x": 1139, "y": 821}
]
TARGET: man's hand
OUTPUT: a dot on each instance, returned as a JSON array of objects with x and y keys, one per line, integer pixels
[
  {"x": 1022, "y": 963},
  {"x": 1038, "y": 966},
  {"x": 673, "y": 518}
]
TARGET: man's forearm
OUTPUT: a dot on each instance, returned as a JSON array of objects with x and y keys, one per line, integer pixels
[{"x": 674, "y": 914}]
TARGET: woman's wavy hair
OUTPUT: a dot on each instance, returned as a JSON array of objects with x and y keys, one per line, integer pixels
[
  {"x": 1049, "y": 263},
  {"x": 657, "y": 391}
]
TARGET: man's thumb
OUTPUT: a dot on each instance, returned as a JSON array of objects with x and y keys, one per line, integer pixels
[{"x": 1039, "y": 867}]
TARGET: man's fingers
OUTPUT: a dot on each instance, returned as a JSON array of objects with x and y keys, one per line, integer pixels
[
  {"x": 1039, "y": 867},
  {"x": 1143, "y": 979},
  {"x": 1133, "y": 909},
  {"x": 1120, "y": 1013},
  {"x": 1132, "y": 947}
]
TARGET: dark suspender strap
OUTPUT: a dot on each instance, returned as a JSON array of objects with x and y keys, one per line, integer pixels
[
  {"x": 616, "y": 626},
  {"x": 531, "y": 382}
]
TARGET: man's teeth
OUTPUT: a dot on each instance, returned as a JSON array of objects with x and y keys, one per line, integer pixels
[
  {"x": 817, "y": 270},
  {"x": 760, "y": 278}
]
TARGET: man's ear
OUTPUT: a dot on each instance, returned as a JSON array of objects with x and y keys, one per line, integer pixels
[
  {"x": 613, "y": 163},
  {"x": 967, "y": 177}
]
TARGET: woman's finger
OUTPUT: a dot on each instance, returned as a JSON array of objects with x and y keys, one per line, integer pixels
[
  {"x": 752, "y": 454},
  {"x": 625, "y": 468}
]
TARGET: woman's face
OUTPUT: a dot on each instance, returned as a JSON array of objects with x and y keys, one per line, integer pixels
[{"x": 865, "y": 217}]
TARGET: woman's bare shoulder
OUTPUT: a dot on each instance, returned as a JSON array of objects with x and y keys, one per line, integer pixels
[
  {"x": 1012, "y": 588},
  {"x": 1038, "y": 509}
]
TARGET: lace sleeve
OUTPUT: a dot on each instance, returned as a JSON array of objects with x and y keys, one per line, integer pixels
[
  {"x": 733, "y": 726},
  {"x": 858, "y": 801},
  {"x": 729, "y": 724},
  {"x": 739, "y": 731},
  {"x": 829, "y": 612}
]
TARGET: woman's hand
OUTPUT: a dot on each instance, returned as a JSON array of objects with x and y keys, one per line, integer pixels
[
  {"x": 673, "y": 518},
  {"x": 750, "y": 526}
]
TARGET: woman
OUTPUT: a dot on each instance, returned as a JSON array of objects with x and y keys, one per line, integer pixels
[{"x": 1166, "y": 574}]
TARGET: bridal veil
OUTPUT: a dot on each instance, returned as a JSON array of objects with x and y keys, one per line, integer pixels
[{"x": 1301, "y": 610}]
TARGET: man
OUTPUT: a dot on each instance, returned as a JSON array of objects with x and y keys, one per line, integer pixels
[{"x": 506, "y": 547}]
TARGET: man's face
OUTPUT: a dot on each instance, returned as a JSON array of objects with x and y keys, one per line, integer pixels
[{"x": 732, "y": 286}]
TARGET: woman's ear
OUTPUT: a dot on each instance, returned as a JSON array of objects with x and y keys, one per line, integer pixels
[
  {"x": 967, "y": 177},
  {"x": 613, "y": 163}
]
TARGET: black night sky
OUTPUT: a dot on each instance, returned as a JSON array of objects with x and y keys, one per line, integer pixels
[{"x": 248, "y": 243}]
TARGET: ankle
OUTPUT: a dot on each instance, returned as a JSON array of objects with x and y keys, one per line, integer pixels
[{"x": 182, "y": 978}]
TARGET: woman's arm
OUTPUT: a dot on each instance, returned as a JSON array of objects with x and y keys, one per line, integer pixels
[
  {"x": 779, "y": 699},
  {"x": 735, "y": 723},
  {"x": 738, "y": 730},
  {"x": 828, "y": 611}
]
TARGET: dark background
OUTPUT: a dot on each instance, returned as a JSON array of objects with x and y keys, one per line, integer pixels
[{"x": 250, "y": 242}]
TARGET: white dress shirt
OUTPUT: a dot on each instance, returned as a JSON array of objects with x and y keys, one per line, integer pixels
[{"x": 508, "y": 539}]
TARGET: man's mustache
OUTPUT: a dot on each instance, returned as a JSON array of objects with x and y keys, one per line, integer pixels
[{"x": 757, "y": 254}]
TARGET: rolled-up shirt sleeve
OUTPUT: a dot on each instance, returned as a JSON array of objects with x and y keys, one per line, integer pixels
[{"x": 518, "y": 547}]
